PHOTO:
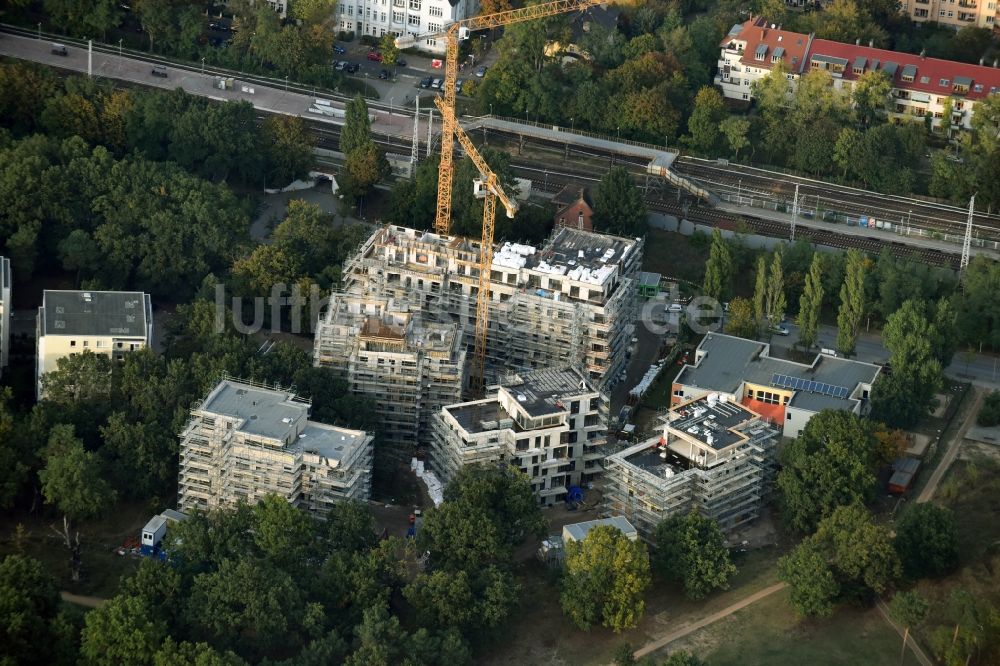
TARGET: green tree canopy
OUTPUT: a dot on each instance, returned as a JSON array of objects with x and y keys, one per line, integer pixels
[
  {"x": 927, "y": 541},
  {"x": 605, "y": 579},
  {"x": 618, "y": 205},
  {"x": 691, "y": 548}
]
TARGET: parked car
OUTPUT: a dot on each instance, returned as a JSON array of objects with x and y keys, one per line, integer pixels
[
  {"x": 779, "y": 330},
  {"x": 458, "y": 86},
  {"x": 340, "y": 66},
  {"x": 339, "y": 49},
  {"x": 481, "y": 71},
  {"x": 384, "y": 75},
  {"x": 160, "y": 71},
  {"x": 436, "y": 84},
  {"x": 675, "y": 307},
  {"x": 375, "y": 56},
  {"x": 59, "y": 50},
  {"x": 426, "y": 82},
  {"x": 352, "y": 67},
  {"x": 400, "y": 62}
]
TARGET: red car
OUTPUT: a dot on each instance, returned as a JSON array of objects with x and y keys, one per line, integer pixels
[{"x": 375, "y": 55}]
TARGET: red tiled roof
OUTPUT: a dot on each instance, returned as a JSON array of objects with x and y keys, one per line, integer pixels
[
  {"x": 932, "y": 68},
  {"x": 759, "y": 31}
]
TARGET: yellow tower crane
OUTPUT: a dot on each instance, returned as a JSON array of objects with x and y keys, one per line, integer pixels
[
  {"x": 460, "y": 31},
  {"x": 489, "y": 189}
]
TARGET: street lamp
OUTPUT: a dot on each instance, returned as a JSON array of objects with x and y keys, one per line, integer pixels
[
  {"x": 525, "y": 116},
  {"x": 619, "y": 130},
  {"x": 286, "y": 82},
  {"x": 572, "y": 123},
  {"x": 491, "y": 109},
  {"x": 120, "y": 48},
  {"x": 203, "y": 71}
]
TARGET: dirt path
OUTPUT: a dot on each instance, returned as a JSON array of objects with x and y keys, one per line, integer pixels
[
  {"x": 89, "y": 602},
  {"x": 686, "y": 629},
  {"x": 918, "y": 652},
  {"x": 949, "y": 456}
]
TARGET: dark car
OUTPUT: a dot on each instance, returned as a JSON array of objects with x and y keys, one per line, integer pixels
[
  {"x": 384, "y": 74},
  {"x": 339, "y": 49},
  {"x": 400, "y": 62},
  {"x": 352, "y": 67},
  {"x": 59, "y": 50},
  {"x": 375, "y": 56},
  {"x": 426, "y": 82}
]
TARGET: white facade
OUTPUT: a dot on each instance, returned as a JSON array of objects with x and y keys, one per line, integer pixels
[
  {"x": 5, "y": 307},
  {"x": 111, "y": 323},
  {"x": 245, "y": 441},
  {"x": 399, "y": 17},
  {"x": 551, "y": 424}
]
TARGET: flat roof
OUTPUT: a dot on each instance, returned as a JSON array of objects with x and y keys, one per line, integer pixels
[
  {"x": 543, "y": 392},
  {"x": 155, "y": 523},
  {"x": 265, "y": 412},
  {"x": 329, "y": 441},
  {"x": 580, "y": 255},
  {"x": 95, "y": 313},
  {"x": 647, "y": 279},
  {"x": 728, "y": 361},
  {"x": 714, "y": 425},
  {"x": 579, "y": 531},
  {"x": 475, "y": 416}
]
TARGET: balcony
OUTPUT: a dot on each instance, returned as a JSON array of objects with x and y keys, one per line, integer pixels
[{"x": 967, "y": 4}]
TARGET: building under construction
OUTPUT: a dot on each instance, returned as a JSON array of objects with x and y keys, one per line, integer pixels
[
  {"x": 551, "y": 424},
  {"x": 406, "y": 366},
  {"x": 246, "y": 440},
  {"x": 569, "y": 301},
  {"x": 714, "y": 456}
]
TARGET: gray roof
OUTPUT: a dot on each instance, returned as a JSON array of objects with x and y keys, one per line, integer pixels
[
  {"x": 717, "y": 426},
  {"x": 909, "y": 71},
  {"x": 832, "y": 60},
  {"x": 329, "y": 441},
  {"x": 729, "y": 361},
  {"x": 860, "y": 62},
  {"x": 564, "y": 247},
  {"x": 546, "y": 391},
  {"x": 95, "y": 313},
  {"x": 649, "y": 279},
  {"x": 579, "y": 531},
  {"x": 963, "y": 81},
  {"x": 264, "y": 412},
  {"x": 890, "y": 69},
  {"x": 473, "y": 415}
]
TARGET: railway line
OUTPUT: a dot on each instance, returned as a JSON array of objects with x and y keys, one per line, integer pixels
[{"x": 663, "y": 199}]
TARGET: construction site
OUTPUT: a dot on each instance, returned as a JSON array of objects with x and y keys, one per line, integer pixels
[
  {"x": 570, "y": 301},
  {"x": 713, "y": 455}
]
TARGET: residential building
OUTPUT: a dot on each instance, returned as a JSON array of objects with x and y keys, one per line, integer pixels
[
  {"x": 569, "y": 301},
  {"x": 112, "y": 323},
  {"x": 5, "y": 310},
  {"x": 785, "y": 392},
  {"x": 280, "y": 7},
  {"x": 714, "y": 456},
  {"x": 245, "y": 440},
  {"x": 574, "y": 210},
  {"x": 551, "y": 424},
  {"x": 410, "y": 17},
  {"x": 407, "y": 367},
  {"x": 955, "y": 14},
  {"x": 921, "y": 86}
]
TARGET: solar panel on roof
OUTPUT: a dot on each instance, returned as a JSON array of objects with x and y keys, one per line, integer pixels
[{"x": 775, "y": 379}]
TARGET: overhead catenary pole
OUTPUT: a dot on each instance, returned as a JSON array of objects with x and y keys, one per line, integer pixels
[
  {"x": 795, "y": 210},
  {"x": 416, "y": 140},
  {"x": 430, "y": 130},
  {"x": 90, "y": 57},
  {"x": 967, "y": 243}
]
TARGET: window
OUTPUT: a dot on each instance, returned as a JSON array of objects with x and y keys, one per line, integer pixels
[
  {"x": 413, "y": 20},
  {"x": 72, "y": 343},
  {"x": 415, "y": 5},
  {"x": 383, "y": 21},
  {"x": 434, "y": 27},
  {"x": 944, "y": 83},
  {"x": 925, "y": 79},
  {"x": 397, "y": 17},
  {"x": 435, "y": 11},
  {"x": 746, "y": 96}
]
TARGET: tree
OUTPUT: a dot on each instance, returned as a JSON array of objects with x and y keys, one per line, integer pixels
[
  {"x": 365, "y": 167},
  {"x": 288, "y": 148},
  {"x": 618, "y": 205},
  {"x": 811, "y": 303},
  {"x": 15, "y": 453},
  {"x": 736, "y": 129},
  {"x": 285, "y": 535},
  {"x": 849, "y": 555},
  {"x": 741, "y": 320},
  {"x": 122, "y": 631},
  {"x": 172, "y": 653},
  {"x": 719, "y": 269},
  {"x": 814, "y": 587},
  {"x": 356, "y": 131},
  {"x": 871, "y": 96},
  {"x": 72, "y": 481},
  {"x": 775, "y": 301},
  {"x": 703, "y": 125},
  {"x": 906, "y": 393},
  {"x": 605, "y": 579},
  {"x": 908, "y": 609},
  {"x": 927, "y": 541},
  {"x": 852, "y": 302},
  {"x": 83, "y": 378},
  {"x": 388, "y": 49},
  {"x": 691, "y": 548},
  {"x": 760, "y": 290},
  {"x": 989, "y": 413},
  {"x": 831, "y": 464},
  {"x": 29, "y": 612}
]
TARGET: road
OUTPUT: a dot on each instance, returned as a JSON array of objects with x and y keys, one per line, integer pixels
[
  {"x": 686, "y": 629},
  {"x": 956, "y": 443}
]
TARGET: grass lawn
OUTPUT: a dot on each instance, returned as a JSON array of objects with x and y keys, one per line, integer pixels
[
  {"x": 545, "y": 636},
  {"x": 768, "y": 632},
  {"x": 102, "y": 568}
]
